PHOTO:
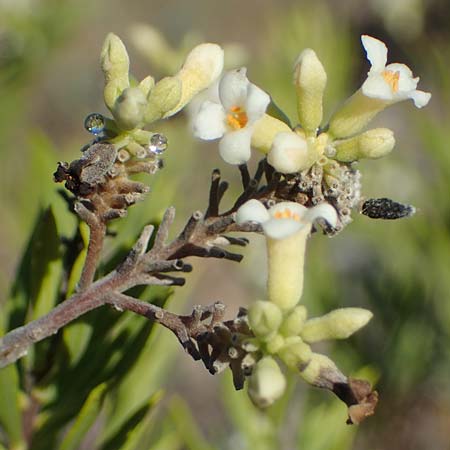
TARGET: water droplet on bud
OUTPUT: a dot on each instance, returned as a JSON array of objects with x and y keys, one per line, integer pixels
[
  {"x": 94, "y": 123},
  {"x": 157, "y": 144}
]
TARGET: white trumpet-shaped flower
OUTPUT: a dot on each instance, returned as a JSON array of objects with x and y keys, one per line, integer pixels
[
  {"x": 286, "y": 218},
  {"x": 287, "y": 226},
  {"x": 393, "y": 82},
  {"x": 241, "y": 105}
]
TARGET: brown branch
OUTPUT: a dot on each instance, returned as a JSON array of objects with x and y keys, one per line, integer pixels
[{"x": 97, "y": 231}]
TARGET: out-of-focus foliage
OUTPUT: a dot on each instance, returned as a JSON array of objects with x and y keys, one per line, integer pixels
[{"x": 99, "y": 383}]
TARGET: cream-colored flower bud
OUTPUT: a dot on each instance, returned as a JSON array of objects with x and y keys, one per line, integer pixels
[
  {"x": 264, "y": 318},
  {"x": 202, "y": 67},
  {"x": 264, "y": 132},
  {"x": 338, "y": 324},
  {"x": 355, "y": 114},
  {"x": 371, "y": 144},
  {"x": 162, "y": 98},
  {"x": 294, "y": 321},
  {"x": 267, "y": 383},
  {"x": 129, "y": 108},
  {"x": 319, "y": 368},
  {"x": 115, "y": 64},
  {"x": 289, "y": 153},
  {"x": 310, "y": 80},
  {"x": 114, "y": 58},
  {"x": 295, "y": 352}
]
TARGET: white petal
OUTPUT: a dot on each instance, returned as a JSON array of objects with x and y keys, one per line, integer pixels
[
  {"x": 233, "y": 88},
  {"x": 420, "y": 98},
  {"x": 282, "y": 228},
  {"x": 234, "y": 147},
  {"x": 210, "y": 121},
  {"x": 376, "y": 86},
  {"x": 376, "y": 53},
  {"x": 322, "y": 211},
  {"x": 252, "y": 211},
  {"x": 257, "y": 102},
  {"x": 402, "y": 68},
  {"x": 289, "y": 152}
]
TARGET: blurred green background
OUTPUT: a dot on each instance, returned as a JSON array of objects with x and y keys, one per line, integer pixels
[{"x": 111, "y": 380}]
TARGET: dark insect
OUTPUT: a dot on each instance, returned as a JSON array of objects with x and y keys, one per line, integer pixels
[{"x": 385, "y": 208}]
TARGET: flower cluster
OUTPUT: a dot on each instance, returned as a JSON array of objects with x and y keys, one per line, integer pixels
[
  {"x": 318, "y": 158},
  {"x": 316, "y": 165}
]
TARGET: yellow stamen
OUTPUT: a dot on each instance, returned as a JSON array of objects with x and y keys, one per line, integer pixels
[
  {"x": 392, "y": 79},
  {"x": 237, "y": 118},
  {"x": 286, "y": 214}
]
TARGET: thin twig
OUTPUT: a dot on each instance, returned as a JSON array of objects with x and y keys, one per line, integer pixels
[{"x": 97, "y": 231}]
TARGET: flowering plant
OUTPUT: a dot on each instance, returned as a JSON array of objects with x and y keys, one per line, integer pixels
[{"x": 307, "y": 181}]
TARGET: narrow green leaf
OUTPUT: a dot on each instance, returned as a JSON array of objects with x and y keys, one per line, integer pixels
[
  {"x": 10, "y": 414},
  {"x": 45, "y": 266},
  {"x": 137, "y": 438},
  {"x": 85, "y": 419}
]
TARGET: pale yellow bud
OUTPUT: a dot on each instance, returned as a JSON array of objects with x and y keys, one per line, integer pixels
[
  {"x": 114, "y": 58},
  {"x": 372, "y": 144},
  {"x": 129, "y": 108},
  {"x": 202, "y": 67},
  {"x": 295, "y": 352},
  {"x": 267, "y": 383},
  {"x": 310, "y": 80},
  {"x": 162, "y": 98},
  {"x": 355, "y": 114},
  {"x": 115, "y": 65},
  {"x": 294, "y": 321},
  {"x": 338, "y": 324},
  {"x": 264, "y": 132},
  {"x": 264, "y": 318}
]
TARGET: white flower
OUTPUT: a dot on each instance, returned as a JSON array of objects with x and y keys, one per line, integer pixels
[
  {"x": 241, "y": 105},
  {"x": 285, "y": 218},
  {"x": 393, "y": 82},
  {"x": 286, "y": 226}
]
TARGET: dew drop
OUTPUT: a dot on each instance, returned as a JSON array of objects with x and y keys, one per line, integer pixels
[
  {"x": 94, "y": 123},
  {"x": 157, "y": 144}
]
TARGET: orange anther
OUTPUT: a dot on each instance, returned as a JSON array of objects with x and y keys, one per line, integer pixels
[{"x": 392, "y": 79}]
